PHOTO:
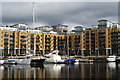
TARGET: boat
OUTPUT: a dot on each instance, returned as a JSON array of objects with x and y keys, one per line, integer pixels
[
  {"x": 70, "y": 61},
  {"x": 24, "y": 59},
  {"x": 53, "y": 57},
  {"x": 1, "y": 60},
  {"x": 118, "y": 59},
  {"x": 10, "y": 61},
  {"x": 19, "y": 59},
  {"x": 111, "y": 58},
  {"x": 37, "y": 60}
]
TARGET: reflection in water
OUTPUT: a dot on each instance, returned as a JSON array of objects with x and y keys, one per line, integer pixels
[
  {"x": 82, "y": 70},
  {"x": 21, "y": 71},
  {"x": 1, "y": 71},
  {"x": 112, "y": 65},
  {"x": 53, "y": 70}
]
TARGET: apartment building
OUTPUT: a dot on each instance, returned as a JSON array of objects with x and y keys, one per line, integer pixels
[{"x": 19, "y": 39}]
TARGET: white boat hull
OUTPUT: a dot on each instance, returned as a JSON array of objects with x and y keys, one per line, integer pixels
[
  {"x": 111, "y": 59},
  {"x": 10, "y": 61},
  {"x": 23, "y": 61},
  {"x": 1, "y": 61},
  {"x": 54, "y": 59}
]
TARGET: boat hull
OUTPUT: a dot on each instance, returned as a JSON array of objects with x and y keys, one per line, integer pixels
[
  {"x": 52, "y": 62},
  {"x": 111, "y": 59},
  {"x": 23, "y": 61},
  {"x": 1, "y": 62},
  {"x": 10, "y": 61},
  {"x": 70, "y": 61},
  {"x": 37, "y": 61}
]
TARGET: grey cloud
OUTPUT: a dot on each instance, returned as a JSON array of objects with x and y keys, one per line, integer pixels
[{"x": 58, "y": 13}]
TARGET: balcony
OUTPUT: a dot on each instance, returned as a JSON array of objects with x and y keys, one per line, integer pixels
[
  {"x": 38, "y": 37},
  {"x": 115, "y": 32},
  {"x": 23, "y": 40},
  {"x": 77, "y": 45},
  {"x": 11, "y": 42},
  {"x": 77, "y": 41},
  {"x": 61, "y": 39},
  {"x": 77, "y": 37},
  {"x": 47, "y": 45},
  {"x": 47, "y": 37},
  {"x": 47, "y": 41},
  {"x": 6, "y": 43},
  {"x": 5, "y": 37},
  {"x": 61, "y": 46},
  {"x": 101, "y": 36},
  {"x": 23, "y": 36},
  {"x": 47, "y": 48},
  {"x": 101, "y": 32},
  {"x": 5, "y": 40},
  {"x": 12, "y": 36},
  {"x": 37, "y": 41}
]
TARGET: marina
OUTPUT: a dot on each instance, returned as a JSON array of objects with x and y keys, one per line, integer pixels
[
  {"x": 55, "y": 58},
  {"x": 91, "y": 70}
]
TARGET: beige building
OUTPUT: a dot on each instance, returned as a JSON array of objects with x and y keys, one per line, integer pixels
[{"x": 101, "y": 40}]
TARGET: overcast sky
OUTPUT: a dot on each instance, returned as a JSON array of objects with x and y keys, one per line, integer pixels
[{"x": 52, "y": 13}]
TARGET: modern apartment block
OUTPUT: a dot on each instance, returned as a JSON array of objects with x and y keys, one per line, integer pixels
[{"x": 21, "y": 40}]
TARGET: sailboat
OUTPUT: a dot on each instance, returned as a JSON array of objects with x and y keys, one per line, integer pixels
[{"x": 36, "y": 60}]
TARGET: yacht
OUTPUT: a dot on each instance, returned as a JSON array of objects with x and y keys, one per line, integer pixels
[
  {"x": 37, "y": 60},
  {"x": 19, "y": 59},
  {"x": 53, "y": 57},
  {"x": 24, "y": 59},
  {"x": 111, "y": 58}
]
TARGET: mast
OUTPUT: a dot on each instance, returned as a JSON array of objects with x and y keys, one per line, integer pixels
[
  {"x": 33, "y": 15},
  {"x": 1, "y": 11},
  {"x": 33, "y": 19},
  {"x": 67, "y": 44}
]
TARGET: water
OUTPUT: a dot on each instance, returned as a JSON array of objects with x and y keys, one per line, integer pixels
[{"x": 109, "y": 70}]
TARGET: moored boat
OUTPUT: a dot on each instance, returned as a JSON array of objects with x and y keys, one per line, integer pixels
[
  {"x": 19, "y": 59},
  {"x": 24, "y": 59},
  {"x": 70, "y": 61},
  {"x": 10, "y": 61},
  {"x": 37, "y": 60},
  {"x": 111, "y": 58},
  {"x": 53, "y": 57}
]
